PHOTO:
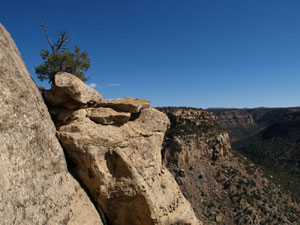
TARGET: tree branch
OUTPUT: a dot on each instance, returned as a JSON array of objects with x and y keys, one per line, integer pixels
[
  {"x": 62, "y": 39},
  {"x": 47, "y": 36}
]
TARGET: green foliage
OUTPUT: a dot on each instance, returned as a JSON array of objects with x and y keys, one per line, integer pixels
[
  {"x": 188, "y": 127},
  {"x": 62, "y": 59},
  {"x": 75, "y": 62}
]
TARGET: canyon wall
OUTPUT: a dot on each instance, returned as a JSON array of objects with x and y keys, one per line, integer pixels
[
  {"x": 193, "y": 134},
  {"x": 243, "y": 123}
]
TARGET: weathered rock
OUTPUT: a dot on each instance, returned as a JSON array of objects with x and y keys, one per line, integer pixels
[
  {"x": 127, "y": 104},
  {"x": 35, "y": 186},
  {"x": 122, "y": 167},
  {"x": 76, "y": 89},
  {"x": 55, "y": 97},
  {"x": 70, "y": 92},
  {"x": 79, "y": 114},
  {"x": 108, "y": 116}
]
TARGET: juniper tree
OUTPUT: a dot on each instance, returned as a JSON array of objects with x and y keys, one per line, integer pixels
[{"x": 61, "y": 58}]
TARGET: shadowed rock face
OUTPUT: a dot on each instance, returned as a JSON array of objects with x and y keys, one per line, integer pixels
[
  {"x": 120, "y": 162},
  {"x": 35, "y": 186}
]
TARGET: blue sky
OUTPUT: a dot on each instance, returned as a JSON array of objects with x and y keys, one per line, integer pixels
[{"x": 199, "y": 53}]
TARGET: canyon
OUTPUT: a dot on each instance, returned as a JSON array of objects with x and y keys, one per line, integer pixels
[{"x": 223, "y": 186}]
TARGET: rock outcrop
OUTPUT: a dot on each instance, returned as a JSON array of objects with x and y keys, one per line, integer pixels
[
  {"x": 35, "y": 186},
  {"x": 70, "y": 92},
  {"x": 194, "y": 134},
  {"x": 116, "y": 148}
]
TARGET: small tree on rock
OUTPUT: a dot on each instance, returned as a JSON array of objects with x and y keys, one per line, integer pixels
[{"x": 61, "y": 59}]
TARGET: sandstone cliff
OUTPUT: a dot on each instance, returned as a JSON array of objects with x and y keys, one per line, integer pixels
[
  {"x": 35, "y": 186},
  {"x": 116, "y": 149},
  {"x": 239, "y": 123},
  {"x": 194, "y": 134}
]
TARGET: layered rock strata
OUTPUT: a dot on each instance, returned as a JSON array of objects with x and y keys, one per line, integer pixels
[
  {"x": 116, "y": 147},
  {"x": 35, "y": 186},
  {"x": 193, "y": 134},
  {"x": 244, "y": 123},
  {"x": 238, "y": 123}
]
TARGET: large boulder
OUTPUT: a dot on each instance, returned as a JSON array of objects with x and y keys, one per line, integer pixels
[
  {"x": 76, "y": 89},
  {"x": 35, "y": 186},
  {"x": 70, "y": 92},
  {"x": 122, "y": 167}
]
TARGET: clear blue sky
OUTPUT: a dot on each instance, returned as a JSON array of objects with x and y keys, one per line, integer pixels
[{"x": 200, "y": 53}]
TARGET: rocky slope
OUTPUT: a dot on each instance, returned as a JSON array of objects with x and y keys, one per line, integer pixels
[
  {"x": 277, "y": 149},
  {"x": 35, "y": 186},
  {"x": 227, "y": 189},
  {"x": 269, "y": 137},
  {"x": 115, "y": 146}
]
